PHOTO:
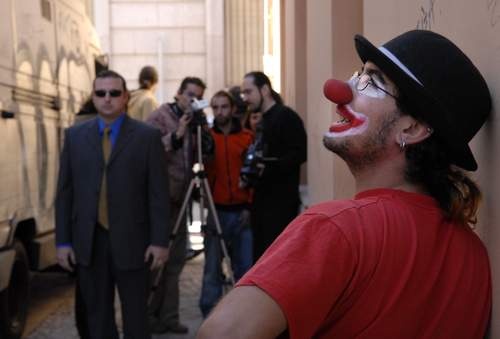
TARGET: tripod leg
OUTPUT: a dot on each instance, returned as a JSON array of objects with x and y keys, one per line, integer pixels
[
  {"x": 226, "y": 261},
  {"x": 183, "y": 209}
]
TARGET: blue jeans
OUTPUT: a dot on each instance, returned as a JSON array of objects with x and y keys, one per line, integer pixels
[{"x": 238, "y": 239}]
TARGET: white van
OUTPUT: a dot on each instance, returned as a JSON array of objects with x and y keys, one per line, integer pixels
[{"x": 49, "y": 55}]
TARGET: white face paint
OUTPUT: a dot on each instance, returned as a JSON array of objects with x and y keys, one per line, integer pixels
[
  {"x": 374, "y": 92},
  {"x": 364, "y": 84},
  {"x": 351, "y": 123}
]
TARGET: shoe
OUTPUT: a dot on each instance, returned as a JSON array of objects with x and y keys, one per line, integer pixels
[{"x": 178, "y": 328}]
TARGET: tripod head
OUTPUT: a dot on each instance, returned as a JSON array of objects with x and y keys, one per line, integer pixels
[{"x": 198, "y": 116}]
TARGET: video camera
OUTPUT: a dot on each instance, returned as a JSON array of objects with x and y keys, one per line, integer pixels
[
  {"x": 199, "y": 117},
  {"x": 255, "y": 160},
  {"x": 253, "y": 166}
]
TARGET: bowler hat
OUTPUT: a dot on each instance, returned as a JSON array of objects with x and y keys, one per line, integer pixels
[{"x": 441, "y": 85}]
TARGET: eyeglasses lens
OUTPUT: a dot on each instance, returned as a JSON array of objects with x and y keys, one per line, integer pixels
[
  {"x": 359, "y": 81},
  {"x": 362, "y": 82}
]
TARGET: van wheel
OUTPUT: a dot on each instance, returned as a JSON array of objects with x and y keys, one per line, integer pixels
[{"x": 14, "y": 299}]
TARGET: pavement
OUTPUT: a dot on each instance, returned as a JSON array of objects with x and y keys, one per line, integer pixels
[
  {"x": 60, "y": 323},
  {"x": 190, "y": 288}
]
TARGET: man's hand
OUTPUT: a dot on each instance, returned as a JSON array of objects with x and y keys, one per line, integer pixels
[
  {"x": 66, "y": 257},
  {"x": 184, "y": 121},
  {"x": 159, "y": 254}
]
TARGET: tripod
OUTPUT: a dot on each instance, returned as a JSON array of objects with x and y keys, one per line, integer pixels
[{"x": 199, "y": 180}]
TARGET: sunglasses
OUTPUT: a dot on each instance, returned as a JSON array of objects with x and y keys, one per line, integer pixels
[{"x": 114, "y": 93}]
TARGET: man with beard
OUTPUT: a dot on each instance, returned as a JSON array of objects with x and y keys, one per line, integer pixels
[
  {"x": 276, "y": 200},
  {"x": 231, "y": 201},
  {"x": 400, "y": 259}
]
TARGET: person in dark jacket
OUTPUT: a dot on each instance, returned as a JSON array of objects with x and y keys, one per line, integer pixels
[
  {"x": 276, "y": 200},
  {"x": 111, "y": 210}
]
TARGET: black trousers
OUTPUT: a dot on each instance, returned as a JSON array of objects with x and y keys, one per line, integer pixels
[
  {"x": 97, "y": 286},
  {"x": 82, "y": 326}
]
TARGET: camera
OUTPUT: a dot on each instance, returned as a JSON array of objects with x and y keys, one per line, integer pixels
[
  {"x": 198, "y": 105},
  {"x": 253, "y": 163},
  {"x": 198, "y": 117}
]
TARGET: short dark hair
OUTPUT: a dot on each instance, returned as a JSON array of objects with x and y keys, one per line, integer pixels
[
  {"x": 148, "y": 77},
  {"x": 260, "y": 79},
  {"x": 224, "y": 94},
  {"x": 191, "y": 80},
  {"x": 110, "y": 74}
]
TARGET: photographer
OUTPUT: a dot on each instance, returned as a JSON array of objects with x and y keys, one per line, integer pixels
[
  {"x": 282, "y": 149},
  {"x": 175, "y": 121},
  {"x": 231, "y": 201}
]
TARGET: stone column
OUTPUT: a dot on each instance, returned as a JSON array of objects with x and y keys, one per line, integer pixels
[
  {"x": 215, "y": 45},
  {"x": 244, "y": 38}
]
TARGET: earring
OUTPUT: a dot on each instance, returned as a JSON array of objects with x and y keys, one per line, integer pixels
[
  {"x": 402, "y": 144},
  {"x": 430, "y": 130}
]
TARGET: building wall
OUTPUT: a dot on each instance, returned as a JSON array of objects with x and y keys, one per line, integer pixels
[
  {"x": 330, "y": 25},
  {"x": 216, "y": 40},
  {"x": 474, "y": 27},
  {"x": 179, "y": 37},
  {"x": 311, "y": 55}
]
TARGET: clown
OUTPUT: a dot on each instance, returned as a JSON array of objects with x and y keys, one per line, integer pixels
[
  {"x": 362, "y": 136},
  {"x": 399, "y": 260}
]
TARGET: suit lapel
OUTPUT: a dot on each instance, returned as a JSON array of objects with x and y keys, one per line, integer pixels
[
  {"x": 94, "y": 139},
  {"x": 125, "y": 135}
]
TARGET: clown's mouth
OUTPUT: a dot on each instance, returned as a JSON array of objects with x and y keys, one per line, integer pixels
[{"x": 347, "y": 120}]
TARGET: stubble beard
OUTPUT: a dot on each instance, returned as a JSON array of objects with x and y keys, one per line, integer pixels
[
  {"x": 368, "y": 150},
  {"x": 222, "y": 121}
]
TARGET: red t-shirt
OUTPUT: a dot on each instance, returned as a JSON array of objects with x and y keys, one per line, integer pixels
[{"x": 384, "y": 265}]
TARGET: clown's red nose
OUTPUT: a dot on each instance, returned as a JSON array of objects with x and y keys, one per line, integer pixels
[{"x": 337, "y": 91}]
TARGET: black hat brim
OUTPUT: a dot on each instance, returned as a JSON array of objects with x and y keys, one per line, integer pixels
[{"x": 461, "y": 154}]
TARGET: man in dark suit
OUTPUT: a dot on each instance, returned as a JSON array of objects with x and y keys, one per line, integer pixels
[{"x": 111, "y": 210}]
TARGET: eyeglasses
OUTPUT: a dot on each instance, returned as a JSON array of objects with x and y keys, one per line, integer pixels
[
  {"x": 114, "y": 93},
  {"x": 361, "y": 82}
]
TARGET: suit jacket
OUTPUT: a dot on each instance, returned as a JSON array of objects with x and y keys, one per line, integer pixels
[{"x": 137, "y": 191}]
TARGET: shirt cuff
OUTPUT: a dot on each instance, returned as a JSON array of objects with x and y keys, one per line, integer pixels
[{"x": 66, "y": 245}]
